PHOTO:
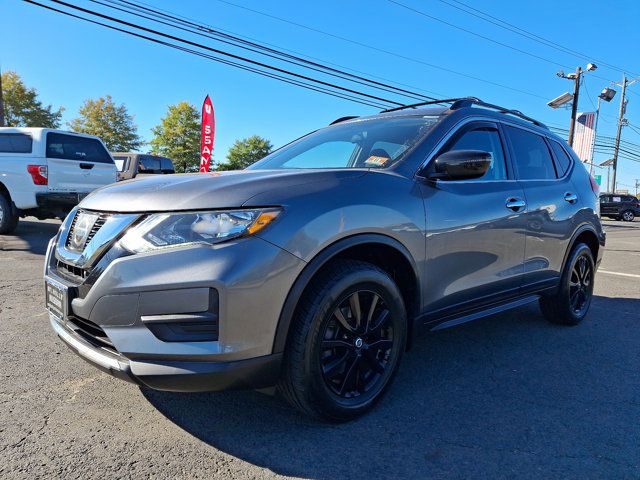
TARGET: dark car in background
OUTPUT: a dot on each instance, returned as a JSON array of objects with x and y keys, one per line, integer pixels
[
  {"x": 619, "y": 206},
  {"x": 313, "y": 268},
  {"x": 131, "y": 165}
]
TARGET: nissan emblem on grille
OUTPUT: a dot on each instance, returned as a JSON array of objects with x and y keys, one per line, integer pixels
[{"x": 80, "y": 232}]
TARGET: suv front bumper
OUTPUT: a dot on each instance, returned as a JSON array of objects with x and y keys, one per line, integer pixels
[
  {"x": 182, "y": 376},
  {"x": 240, "y": 285}
]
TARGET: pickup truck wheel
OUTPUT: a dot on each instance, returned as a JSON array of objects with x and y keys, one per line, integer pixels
[
  {"x": 571, "y": 303},
  {"x": 628, "y": 216},
  {"x": 8, "y": 218},
  {"x": 346, "y": 342}
]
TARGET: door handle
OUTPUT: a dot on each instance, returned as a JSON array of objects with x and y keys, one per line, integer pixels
[
  {"x": 570, "y": 197},
  {"x": 515, "y": 204},
  {"x": 86, "y": 166}
]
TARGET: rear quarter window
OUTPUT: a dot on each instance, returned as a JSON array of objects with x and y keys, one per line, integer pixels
[
  {"x": 15, "y": 143},
  {"x": 563, "y": 161},
  {"x": 71, "y": 147}
]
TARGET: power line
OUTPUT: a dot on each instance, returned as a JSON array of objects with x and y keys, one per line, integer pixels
[
  {"x": 141, "y": 6},
  {"x": 484, "y": 37},
  {"x": 198, "y": 29},
  {"x": 381, "y": 50},
  {"x": 218, "y": 59},
  {"x": 226, "y": 54},
  {"x": 524, "y": 33}
]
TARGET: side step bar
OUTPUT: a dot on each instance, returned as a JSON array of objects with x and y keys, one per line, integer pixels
[{"x": 485, "y": 312}]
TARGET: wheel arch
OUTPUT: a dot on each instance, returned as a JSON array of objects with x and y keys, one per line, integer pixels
[
  {"x": 381, "y": 250},
  {"x": 5, "y": 191},
  {"x": 583, "y": 234}
]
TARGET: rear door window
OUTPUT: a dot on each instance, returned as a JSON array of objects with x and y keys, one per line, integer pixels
[
  {"x": 15, "y": 143},
  {"x": 71, "y": 147},
  {"x": 532, "y": 157},
  {"x": 563, "y": 160}
]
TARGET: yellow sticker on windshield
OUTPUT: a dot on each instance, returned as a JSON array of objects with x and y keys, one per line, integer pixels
[{"x": 377, "y": 160}]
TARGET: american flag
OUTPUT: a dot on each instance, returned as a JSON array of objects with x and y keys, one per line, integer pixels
[{"x": 583, "y": 136}]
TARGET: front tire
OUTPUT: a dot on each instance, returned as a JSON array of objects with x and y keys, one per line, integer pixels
[
  {"x": 571, "y": 303},
  {"x": 628, "y": 216},
  {"x": 346, "y": 342},
  {"x": 8, "y": 217}
]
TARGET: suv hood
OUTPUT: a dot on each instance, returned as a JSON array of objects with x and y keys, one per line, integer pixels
[{"x": 198, "y": 191}]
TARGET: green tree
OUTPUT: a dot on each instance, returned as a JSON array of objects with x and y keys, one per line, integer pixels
[
  {"x": 178, "y": 137},
  {"x": 246, "y": 151},
  {"x": 111, "y": 122},
  {"x": 22, "y": 107}
]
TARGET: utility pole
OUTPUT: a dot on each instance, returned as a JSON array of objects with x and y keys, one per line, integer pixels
[
  {"x": 637, "y": 186},
  {"x": 574, "y": 106},
  {"x": 621, "y": 113}
]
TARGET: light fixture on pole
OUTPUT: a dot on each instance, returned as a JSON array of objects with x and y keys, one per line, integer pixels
[
  {"x": 607, "y": 95},
  {"x": 575, "y": 77}
]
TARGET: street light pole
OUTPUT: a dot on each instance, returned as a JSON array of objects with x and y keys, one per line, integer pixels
[{"x": 574, "y": 106}]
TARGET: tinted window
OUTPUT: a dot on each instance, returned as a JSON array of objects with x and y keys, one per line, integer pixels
[
  {"x": 149, "y": 163},
  {"x": 564, "y": 161},
  {"x": 533, "y": 159},
  {"x": 81, "y": 149},
  {"x": 167, "y": 165},
  {"x": 15, "y": 143},
  {"x": 486, "y": 139}
]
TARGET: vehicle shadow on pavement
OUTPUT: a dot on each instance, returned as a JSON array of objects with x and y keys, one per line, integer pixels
[
  {"x": 510, "y": 395},
  {"x": 30, "y": 236}
]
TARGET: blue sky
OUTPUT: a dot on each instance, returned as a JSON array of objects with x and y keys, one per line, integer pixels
[{"x": 69, "y": 61}]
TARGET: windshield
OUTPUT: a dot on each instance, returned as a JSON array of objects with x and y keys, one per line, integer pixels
[{"x": 376, "y": 143}]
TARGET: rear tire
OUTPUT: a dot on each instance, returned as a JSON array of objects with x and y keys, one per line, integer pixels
[
  {"x": 8, "y": 217},
  {"x": 628, "y": 216},
  {"x": 571, "y": 303},
  {"x": 345, "y": 343}
]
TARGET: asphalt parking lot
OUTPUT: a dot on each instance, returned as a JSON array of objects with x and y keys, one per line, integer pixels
[{"x": 506, "y": 397}]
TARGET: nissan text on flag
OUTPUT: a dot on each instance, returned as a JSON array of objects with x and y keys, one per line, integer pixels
[{"x": 45, "y": 173}]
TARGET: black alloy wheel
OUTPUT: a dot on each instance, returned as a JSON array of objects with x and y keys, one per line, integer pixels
[
  {"x": 356, "y": 344},
  {"x": 580, "y": 285},
  {"x": 346, "y": 341},
  {"x": 570, "y": 304}
]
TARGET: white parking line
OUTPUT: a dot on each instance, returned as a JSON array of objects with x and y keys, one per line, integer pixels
[{"x": 632, "y": 275}]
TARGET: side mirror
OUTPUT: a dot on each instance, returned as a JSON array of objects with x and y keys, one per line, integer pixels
[{"x": 461, "y": 165}]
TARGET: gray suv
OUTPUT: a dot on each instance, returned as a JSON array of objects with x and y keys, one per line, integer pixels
[{"x": 311, "y": 269}]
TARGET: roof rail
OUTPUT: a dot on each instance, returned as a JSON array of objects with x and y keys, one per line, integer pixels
[
  {"x": 457, "y": 103},
  {"x": 422, "y": 104},
  {"x": 468, "y": 102},
  {"x": 343, "y": 119}
]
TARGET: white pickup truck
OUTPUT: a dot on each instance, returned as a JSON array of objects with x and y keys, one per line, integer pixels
[{"x": 45, "y": 173}]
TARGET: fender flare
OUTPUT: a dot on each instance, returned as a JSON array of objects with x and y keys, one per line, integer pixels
[
  {"x": 585, "y": 227},
  {"x": 321, "y": 259}
]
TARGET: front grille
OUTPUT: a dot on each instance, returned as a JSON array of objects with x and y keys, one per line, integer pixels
[
  {"x": 90, "y": 332},
  {"x": 100, "y": 221},
  {"x": 96, "y": 226},
  {"x": 70, "y": 272}
]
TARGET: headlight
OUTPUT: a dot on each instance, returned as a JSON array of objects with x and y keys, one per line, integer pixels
[{"x": 166, "y": 230}]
